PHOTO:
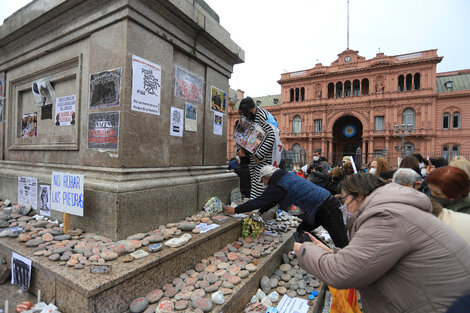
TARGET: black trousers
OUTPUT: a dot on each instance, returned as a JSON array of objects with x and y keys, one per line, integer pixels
[{"x": 330, "y": 217}]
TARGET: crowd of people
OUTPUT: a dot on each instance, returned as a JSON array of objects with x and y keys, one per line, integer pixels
[{"x": 401, "y": 236}]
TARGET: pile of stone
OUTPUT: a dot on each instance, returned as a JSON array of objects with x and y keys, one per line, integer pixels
[
  {"x": 289, "y": 279},
  {"x": 211, "y": 281},
  {"x": 282, "y": 223},
  {"x": 77, "y": 248}
]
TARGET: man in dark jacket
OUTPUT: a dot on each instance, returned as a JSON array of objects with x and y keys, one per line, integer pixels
[
  {"x": 286, "y": 189},
  {"x": 318, "y": 169}
]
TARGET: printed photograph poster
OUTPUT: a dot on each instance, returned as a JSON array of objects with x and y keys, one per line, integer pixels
[
  {"x": 2, "y": 85},
  {"x": 20, "y": 271},
  {"x": 45, "y": 200},
  {"x": 190, "y": 118},
  {"x": 188, "y": 86},
  {"x": 249, "y": 135},
  {"x": 146, "y": 86},
  {"x": 103, "y": 130},
  {"x": 43, "y": 93},
  {"x": 67, "y": 193},
  {"x": 65, "y": 110},
  {"x": 176, "y": 122},
  {"x": 218, "y": 100},
  {"x": 218, "y": 123},
  {"x": 29, "y": 125},
  {"x": 105, "y": 89},
  {"x": 2, "y": 105},
  {"x": 28, "y": 191}
]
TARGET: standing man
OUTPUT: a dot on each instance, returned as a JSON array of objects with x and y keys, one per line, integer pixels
[
  {"x": 263, "y": 155},
  {"x": 318, "y": 169},
  {"x": 318, "y": 206}
]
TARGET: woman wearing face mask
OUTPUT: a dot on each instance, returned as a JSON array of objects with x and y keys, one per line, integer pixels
[
  {"x": 379, "y": 165},
  {"x": 450, "y": 187},
  {"x": 400, "y": 257}
]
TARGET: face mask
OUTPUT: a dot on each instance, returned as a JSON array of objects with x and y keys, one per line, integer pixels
[
  {"x": 373, "y": 171},
  {"x": 424, "y": 172},
  {"x": 316, "y": 158},
  {"x": 344, "y": 210},
  {"x": 443, "y": 201}
]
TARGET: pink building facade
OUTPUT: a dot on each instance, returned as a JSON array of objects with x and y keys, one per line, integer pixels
[{"x": 386, "y": 106}]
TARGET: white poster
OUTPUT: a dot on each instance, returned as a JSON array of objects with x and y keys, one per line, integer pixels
[
  {"x": 45, "y": 200},
  {"x": 190, "y": 118},
  {"x": 65, "y": 110},
  {"x": 176, "y": 122},
  {"x": 20, "y": 271},
  {"x": 43, "y": 93},
  {"x": 218, "y": 123},
  {"x": 28, "y": 191},
  {"x": 146, "y": 88},
  {"x": 288, "y": 304},
  {"x": 67, "y": 193}
]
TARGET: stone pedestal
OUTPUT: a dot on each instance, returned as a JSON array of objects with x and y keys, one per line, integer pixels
[{"x": 151, "y": 177}]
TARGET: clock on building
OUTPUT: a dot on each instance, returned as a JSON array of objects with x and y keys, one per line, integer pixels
[{"x": 347, "y": 59}]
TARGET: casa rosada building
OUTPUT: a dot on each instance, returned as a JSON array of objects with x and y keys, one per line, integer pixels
[{"x": 386, "y": 106}]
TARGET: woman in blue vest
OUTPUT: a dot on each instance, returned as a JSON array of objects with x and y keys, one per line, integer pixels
[{"x": 318, "y": 206}]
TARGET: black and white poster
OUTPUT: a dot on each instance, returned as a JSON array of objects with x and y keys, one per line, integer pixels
[
  {"x": 28, "y": 191},
  {"x": 176, "y": 122},
  {"x": 103, "y": 130},
  {"x": 43, "y": 92},
  {"x": 105, "y": 89},
  {"x": 20, "y": 271},
  {"x": 45, "y": 200},
  {"x": 146, "y": 86}
]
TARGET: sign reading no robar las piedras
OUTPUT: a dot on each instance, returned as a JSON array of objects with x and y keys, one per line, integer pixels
[{"x": 67, "y": 193}]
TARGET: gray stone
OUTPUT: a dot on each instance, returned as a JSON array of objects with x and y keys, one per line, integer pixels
[
  {"x": 54, "y": 257},
  {"x": 265, "y": 284},
  {"x": 204, "y": 304},
  {"x": 291, "y": 293},
  {"x": 138, "y": 236},
  {"x": 181, "y": 305},
  {"x": 293, "y": 286},
  {"x": 278, "y": 272},
  {"x": 139, "y": 305},
  {"x": 285, "y": 258},
  {"x": 315, "y": 283},
  {"x": 273, "y": 282},
  {"x": 34, "y": 242},
  {"x": 301, "y": 292},
  {"x": 62, "y": 237},
  {"x": 25, "y": 210},
  {"x": 285, "y": 277},
  {"x": 4, "y": 224},
  {"x": 285, "y": 267},
  {"x": 309, "y": 289},
  {"x": 186, "y": 226},
  {"x": 211, "y": 288},
  {"x": 243, "y": 274}
]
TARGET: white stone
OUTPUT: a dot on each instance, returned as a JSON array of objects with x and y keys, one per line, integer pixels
[
  {"x": 218, "y": 297},
  {"x": 177, "y": 242}
]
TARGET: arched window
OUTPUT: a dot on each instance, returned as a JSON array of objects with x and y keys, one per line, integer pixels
[
  {"x": 445, "y": 152},
  {"x": 302, "y": 94},
  {"x": 296, "y": 148},
  {"x": 297, "y": 124},
  {"x": 445, "y": 120},
  {"x": 401, "y": 82},
  {"x": 296, "y": 94},
  {"x": 339, "y": 89},
  {"x": 291, "y": 94},
  {"x": 356, "y": 87},
  {"x": 365, "y": 87},
  {"x": 409, "y": 81},
  {"x": 347, "y": 89},
  {"x": 417, "y": 81},
  {"x": 331, "y": 90},
  {"x": 408, "y": 117},
  {"x": 409, "y": 148},
  {"x": 456, "y": 120}
]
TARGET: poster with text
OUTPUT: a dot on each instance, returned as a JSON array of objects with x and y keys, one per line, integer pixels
[
  {"x": 190, "y": 118},
  {"x": 103, "y": 130},
  {"x": 2, "y": 106},
  {"x": 146, "y": 86},
  {"x": 2, "y": 85},
  {"x": 65, "y": 110},
  {"x": 176, "y": 122},
  {"x": 28, "y": 191},
  {"x": 105, "y": 89},
  {"x": 67, "y": 193},
  {"x": 188, "y": 86},
  {"x": 29, "y": 125},
  {"x": 218, "y": 123},
  {"x": 45, "y": 200},
  {"x": 43, "y": 93},
  {"x": 218, "y": 100}
]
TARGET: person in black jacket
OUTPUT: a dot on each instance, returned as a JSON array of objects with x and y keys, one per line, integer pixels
[
  {"x": 243, "y": 171},
  {"x": 286, "y": 189},
  {"x": 318, "y": 169}
]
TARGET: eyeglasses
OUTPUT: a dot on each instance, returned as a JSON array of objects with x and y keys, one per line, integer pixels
[{"x": 344, "y": 198}]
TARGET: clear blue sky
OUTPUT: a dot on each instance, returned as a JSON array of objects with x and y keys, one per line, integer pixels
[{"x": 279, "y": 35}]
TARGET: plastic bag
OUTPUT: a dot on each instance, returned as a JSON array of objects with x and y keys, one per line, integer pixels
[
  {"x": 344, "y": 301},
  {"x": 214, "y": 205}
]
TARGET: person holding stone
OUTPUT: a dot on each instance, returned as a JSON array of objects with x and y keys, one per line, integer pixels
[
  {"x": 400, "y": 257},
  {"x": 318, "y": 206}
]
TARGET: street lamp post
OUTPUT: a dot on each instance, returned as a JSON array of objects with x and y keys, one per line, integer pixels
[{"x": 403, "y": 129}]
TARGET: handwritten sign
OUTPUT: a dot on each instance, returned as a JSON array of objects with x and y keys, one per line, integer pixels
[
  {"x": 100, "y": 268},
  {"x": 67, "y": 193}
]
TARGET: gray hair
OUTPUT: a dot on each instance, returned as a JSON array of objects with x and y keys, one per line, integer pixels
[{"x": 406, "y": 176}]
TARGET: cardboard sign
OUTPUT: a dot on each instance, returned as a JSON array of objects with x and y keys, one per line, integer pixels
[{"x": 67, "y": 193}]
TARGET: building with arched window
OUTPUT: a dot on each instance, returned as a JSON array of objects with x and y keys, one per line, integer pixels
[{"x": 352, "y": 107}]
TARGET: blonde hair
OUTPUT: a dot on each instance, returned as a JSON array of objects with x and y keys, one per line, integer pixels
[{"x": 462, "y": 163}]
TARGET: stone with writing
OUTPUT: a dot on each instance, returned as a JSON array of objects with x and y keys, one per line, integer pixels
[
  {"x": 139, "y": 305},
  {"x": 165, "y": 306},
  {"x": 108, "y": 255},
  {"x": 204, "y": 304},
  {"x": 154, "y": 295}
]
